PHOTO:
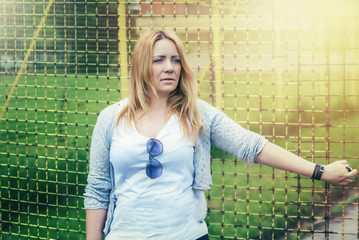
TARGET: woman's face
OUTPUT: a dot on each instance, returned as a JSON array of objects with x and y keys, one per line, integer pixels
[{"x": 166, "y": 67}]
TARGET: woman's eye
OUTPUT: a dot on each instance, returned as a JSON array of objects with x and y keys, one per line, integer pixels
[
  {"x": 177, "y": 60},
  {"x": 157, "y": 60}
]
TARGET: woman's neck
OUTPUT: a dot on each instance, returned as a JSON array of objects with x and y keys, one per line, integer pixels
[
  {"x": 151, "y": 122},
  {"x": 158, "y": 103}
]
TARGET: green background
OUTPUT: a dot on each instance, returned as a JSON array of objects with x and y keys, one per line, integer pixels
[{"x": 289, "y": 75}]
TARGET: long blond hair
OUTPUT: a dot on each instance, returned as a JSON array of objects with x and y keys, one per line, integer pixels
[{"x": 182, "y": 101}]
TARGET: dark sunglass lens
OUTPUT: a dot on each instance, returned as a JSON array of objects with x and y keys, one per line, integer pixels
[
  {"x": 154, "y": 147},
  {"x": 153, "y": 168}
]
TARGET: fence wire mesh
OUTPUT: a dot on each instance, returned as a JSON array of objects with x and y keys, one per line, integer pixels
[{"x": 287, "y": 69}]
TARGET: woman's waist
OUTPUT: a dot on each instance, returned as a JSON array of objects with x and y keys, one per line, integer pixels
[
  {"x": 157, "y": 208},
  {"x": 160, "y": 196}
]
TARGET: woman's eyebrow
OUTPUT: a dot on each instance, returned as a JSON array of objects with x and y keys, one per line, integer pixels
[{"x": 163, "y": 56}]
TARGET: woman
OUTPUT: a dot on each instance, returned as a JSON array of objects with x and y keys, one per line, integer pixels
[{"x": 150, "y": 153}]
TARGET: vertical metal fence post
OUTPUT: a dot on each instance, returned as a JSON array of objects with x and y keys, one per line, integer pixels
[
  {"x": 123, "y": 50},
  {"x": 216, "y": 28}
]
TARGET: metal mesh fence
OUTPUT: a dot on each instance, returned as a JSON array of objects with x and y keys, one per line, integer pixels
[{"x": 287, "y": 69}]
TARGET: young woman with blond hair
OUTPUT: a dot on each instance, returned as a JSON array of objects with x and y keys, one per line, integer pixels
[{"x": 150, "y": 153}]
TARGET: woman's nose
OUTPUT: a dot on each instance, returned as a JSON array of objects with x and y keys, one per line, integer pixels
[{"x": 168, "y": 67}]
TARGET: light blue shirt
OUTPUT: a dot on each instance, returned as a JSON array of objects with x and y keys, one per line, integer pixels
[
  {"x": 218, "y": 130},
  {"x": 162, "y": 208}
]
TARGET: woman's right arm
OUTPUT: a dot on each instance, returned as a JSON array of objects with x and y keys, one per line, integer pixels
[
  {"x": 95, "y": 221},
  {"x": 99, "y": 183}
]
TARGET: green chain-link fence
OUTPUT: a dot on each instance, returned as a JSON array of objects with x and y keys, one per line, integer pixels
[{"x": 287, "y": 69}]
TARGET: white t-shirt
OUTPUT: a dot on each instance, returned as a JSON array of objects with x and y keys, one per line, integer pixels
[{"x": 162, "y": 208}]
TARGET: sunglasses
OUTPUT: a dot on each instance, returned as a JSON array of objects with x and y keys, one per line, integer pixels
[{"x": 154, "y": 167}]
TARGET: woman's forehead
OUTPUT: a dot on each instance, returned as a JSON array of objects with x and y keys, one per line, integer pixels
[{"x": 164, "y": 47}]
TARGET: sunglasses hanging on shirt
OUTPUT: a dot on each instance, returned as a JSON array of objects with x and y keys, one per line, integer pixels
[{"x": 153, "y": 166}]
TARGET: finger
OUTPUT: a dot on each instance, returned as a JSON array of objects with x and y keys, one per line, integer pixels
[
  {"x": 352, "y": 173},
  {"x": 345, "y": 182}
]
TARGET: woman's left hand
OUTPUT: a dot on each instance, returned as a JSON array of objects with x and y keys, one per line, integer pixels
[{"x": 337, "y": 173}]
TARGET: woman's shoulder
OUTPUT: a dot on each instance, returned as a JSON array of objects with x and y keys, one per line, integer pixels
[
  {"x": 113, "y": 108},
  {"x": 206, "y": 109},
  {"x": 109, "y": 113}
]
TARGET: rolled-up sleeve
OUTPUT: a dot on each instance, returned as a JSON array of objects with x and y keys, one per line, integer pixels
[
  {"x": 228, "y": 135},
  {"x": 99, "y": 184}
]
